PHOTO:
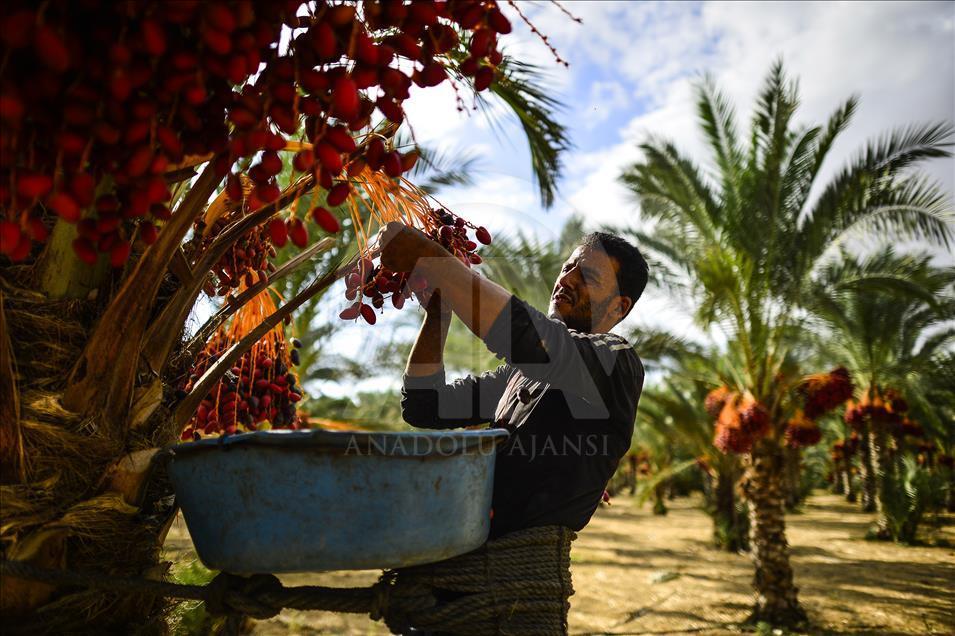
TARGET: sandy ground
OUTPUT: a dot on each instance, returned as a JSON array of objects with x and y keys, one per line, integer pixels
[{"x": 636, "y": 573}]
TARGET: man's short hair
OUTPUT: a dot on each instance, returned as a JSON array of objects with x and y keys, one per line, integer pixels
[{"x": 632, "y": 268}]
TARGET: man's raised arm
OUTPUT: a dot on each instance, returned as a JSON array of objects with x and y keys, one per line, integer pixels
[
  {"x": 427, "y": 401},
  {"x": 542, "y": 348},
  {"x": 427, "y": 354}
]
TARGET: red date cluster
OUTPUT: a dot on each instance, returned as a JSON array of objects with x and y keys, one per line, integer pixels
[
  {"x": 731, "y": 439},
  {"x": 825, "y": 391},
  {"x": 716, "y": 400},
  {"x": 101, "y": 99},
  {"x": 247, "y": 261},
  {"x": 753, "y": 418},
  {"x": 741, "y": 420},
  {"x": 872, "y": 412},
  {"x": 802, "y": 431},
  {"x": 368, "y": 285},
  {"x": 895, "y": 401},
  {"x": 845, "y": 449},
  {"x": 259, "y": 392},
  {"x": 346, "y": 61},
  {"x": 909, "y": 428},
  {"x": 451, "y": 232},
  {"x": 885, "y": 411}
]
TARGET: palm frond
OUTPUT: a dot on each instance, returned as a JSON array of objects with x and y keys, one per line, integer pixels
[
  {"x": 762, "y": 183},
  {"x": 439, "y": 169},
  {"x": 667, "y": 268},
  {"x": 933, "y": 345},
  {"x": 873, "y": 191},
  {"x": 838, "y": 122},
  {"x": 646, "y": 488},
  {"x": 798, "y": 171},
  {"x": 656, "y": 345},
  {"x": 775, "y": 107},
  {"x": 718, "y": 120},
  {"x": 521, "y": 86},
  {"x": 897, "y": 285},
  {"x": 670, "y": 187}
]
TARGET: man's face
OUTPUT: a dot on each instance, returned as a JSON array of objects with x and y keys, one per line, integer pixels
[{"x": 585, "y": 289}]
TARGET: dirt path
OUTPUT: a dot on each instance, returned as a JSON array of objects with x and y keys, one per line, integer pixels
[{"x": 635, "y": 573}]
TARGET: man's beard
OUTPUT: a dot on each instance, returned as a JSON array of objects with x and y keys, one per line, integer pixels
[{"x": 580, "y": 318}]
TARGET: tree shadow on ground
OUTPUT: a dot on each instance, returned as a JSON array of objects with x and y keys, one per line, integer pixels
[
  {"x": 897, "y": 586},
  {"x": 624, "y": 556},
  {"x": 853, "y": 529}
]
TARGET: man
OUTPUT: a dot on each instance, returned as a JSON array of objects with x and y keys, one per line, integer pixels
[{"x": 568, "y": 390}]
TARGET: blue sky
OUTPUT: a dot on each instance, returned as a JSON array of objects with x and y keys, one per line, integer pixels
[{"x": 632, "y": 67}]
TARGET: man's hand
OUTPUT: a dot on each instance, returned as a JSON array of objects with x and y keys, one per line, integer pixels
[
  {"x": 401, "y": 247},
  {"x": 473, "y": 298}
]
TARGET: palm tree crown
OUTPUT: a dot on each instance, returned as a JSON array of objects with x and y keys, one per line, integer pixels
[{"x": 748, "y": 238}]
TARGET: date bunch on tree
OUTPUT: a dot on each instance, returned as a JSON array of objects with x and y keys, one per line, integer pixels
[
  {"x": 246, "y": 261},
  {"x": 886, "y": 412},
  {"x": 823, "y": 392},
  {"x": 260, "y": 391},
  {"x": 802, "y": 431},
  {"x": 369, "y": 284},
  {"x": 837, "y": 452},
  {"x": 740, "y": 419},
  {"x": 102, "y": 100},
  {"x": 883, "y": 412},
  {"x": 106, "y": 105},
  {"x": 845, "y": 449},
  {"x": 818, "y": 394}
]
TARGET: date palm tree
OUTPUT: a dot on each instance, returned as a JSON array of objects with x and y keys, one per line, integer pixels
[
  {"x": 891, "y": 334},
  {"x": 672, "y": 415},
  {"x": 92, "y": 358},
  {"x": 744, "y": 237}
]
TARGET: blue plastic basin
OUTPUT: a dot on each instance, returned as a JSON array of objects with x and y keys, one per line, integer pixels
[{"x": 311, "y": 501}]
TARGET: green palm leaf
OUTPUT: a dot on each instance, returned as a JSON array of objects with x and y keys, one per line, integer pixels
[{"x": 521, "y": 86}]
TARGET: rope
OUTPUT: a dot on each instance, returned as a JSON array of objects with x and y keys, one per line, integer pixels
[
  {"x": 259, "y": 596},
  {"x": 517, "y": 584}
]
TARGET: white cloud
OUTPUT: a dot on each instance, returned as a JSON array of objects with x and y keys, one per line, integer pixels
[
  {"x": 897, "y": 57},
  {"x": 605, "y": 99},
  {"x": 500, "y": 202},
  {"x": 433, "y": 115}
]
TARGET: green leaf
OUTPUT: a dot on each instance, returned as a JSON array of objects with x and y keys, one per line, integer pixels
[{"x": 521, "y": 86}]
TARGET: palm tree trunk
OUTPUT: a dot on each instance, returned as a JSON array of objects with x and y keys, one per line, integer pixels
[
  {"x": 729, "y": 525},
  {"x": 659, "y": 494},
  {"x": 791, "y": 476},
  {"x": 868, "y": 469},
  {"x": 776, "y": 594},
  {"x": 80, "y": 500},
  {"x": 838, "y": 484},
  {"x": 848, "y": 485},
  {"x": 884, "y": 468}
]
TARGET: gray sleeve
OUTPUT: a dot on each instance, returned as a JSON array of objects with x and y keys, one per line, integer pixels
[{"x": 431, "y": 402}]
